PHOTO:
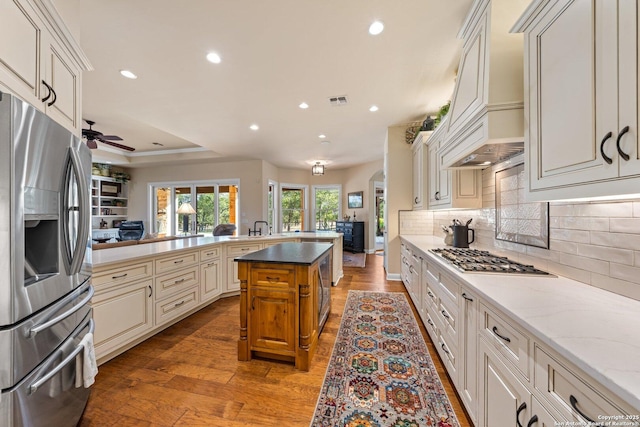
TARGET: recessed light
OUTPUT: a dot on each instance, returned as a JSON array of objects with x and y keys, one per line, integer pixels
[
  {"x": 254, "y": 127},
  {"x": 373, "y": 108},
  {"x": 304, "y": 105},
  {"x": 128, "y": 74},
  {"x": 213, "y": 57},
  {"x": 325, "y": 142},
  {"x": 376, "y": 28},
  {"x": 322, "y": 136},
  {"x": 485, "y": 163}
]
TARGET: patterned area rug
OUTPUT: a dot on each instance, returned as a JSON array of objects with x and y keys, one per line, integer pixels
[
  {"x": 380, "y": 372},
  {"x": 353, "y": 260}
]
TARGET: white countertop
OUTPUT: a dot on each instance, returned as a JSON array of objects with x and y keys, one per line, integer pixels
[
  {"x": 105, "y": 257},
  {"x": 597, "y": 330}
]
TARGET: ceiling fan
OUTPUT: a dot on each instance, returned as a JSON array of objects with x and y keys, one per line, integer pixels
[{"x": 93, "y": 136}]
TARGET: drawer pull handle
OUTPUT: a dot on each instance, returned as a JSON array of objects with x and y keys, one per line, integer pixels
[
  {"x": 211, "y": 264},
  {"x": 430, "y": 294},
  {"x": 210, "y": 253},
  {"x": 437, "y": 195},
  {"x": 622, "y": 153},
  {"x": 446, "y": 316},
  {"x": 415, "y": 201},
  {"x": 178, "y": 261},
  {"x": 532, "y": 421},
  {"x": 606, "y": 158},
  {"x": 178, "y": 281},
  {"x": 150, "y": 291},
  {"x": 574, "y": 405},
  {"x": 521, "y": 408},
  {"x": 495, "y": 331},
  {"x": 464, "y": 295},
  {"x": 444, "y": 348},
  {"x": 244, "y": 249},
  {"x": 179, "y": 304},
  {"x": 120, "y": 276},
  {"x": 273, "y": 279},
  {"x": 430, "y": 322}
]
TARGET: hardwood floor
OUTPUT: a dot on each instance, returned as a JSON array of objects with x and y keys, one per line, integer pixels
[{"x": 189, "y": 375}]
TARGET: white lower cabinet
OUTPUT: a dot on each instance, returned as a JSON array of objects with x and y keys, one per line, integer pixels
[
  {"x": 232, "y": 283},
  {"x": 122, "y": 314},
  {"x": 210, "y": 280},
  {"x": 468, "y": 374}
]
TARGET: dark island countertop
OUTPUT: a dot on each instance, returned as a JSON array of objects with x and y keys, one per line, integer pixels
[{"x": 304, "y": 253}]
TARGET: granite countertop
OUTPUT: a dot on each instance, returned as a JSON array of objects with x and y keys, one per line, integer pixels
[
  {"x": 305, "y": 253},
  {"x": 597, "y": 330},
  {"x": 109, "y": 256}
]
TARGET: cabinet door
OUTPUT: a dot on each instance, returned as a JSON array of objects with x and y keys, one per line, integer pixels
[
  {"x": 573, "y": 79},
  {"x": 272, "y": 320},
  {"x": 468, "y": 382},
  {"x": 64, "y": 78},
  {"x": 417, "y": 176},
  {"x": 20, "y": 51},
  {"x": 629, "y": 42},
  {"x": 503, "y": 397},
  {"x": 210, "y": 280},
  {"x": 121, "y": 315},
  {"x": 439, "y": 179}
]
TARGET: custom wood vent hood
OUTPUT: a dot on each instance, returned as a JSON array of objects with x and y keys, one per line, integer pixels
[{"x": 486, "y": 119}]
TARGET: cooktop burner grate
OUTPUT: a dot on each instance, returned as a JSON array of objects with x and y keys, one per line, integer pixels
[{"x": 477, "y": 261}]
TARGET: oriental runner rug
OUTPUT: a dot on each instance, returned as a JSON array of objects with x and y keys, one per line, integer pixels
[{"x": 380, "y": 372}]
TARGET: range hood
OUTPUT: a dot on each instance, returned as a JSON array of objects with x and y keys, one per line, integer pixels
[{"x": 486, "y": 120}]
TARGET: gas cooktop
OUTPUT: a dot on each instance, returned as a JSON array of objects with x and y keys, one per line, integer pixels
[{"x": 477, "y": 261}]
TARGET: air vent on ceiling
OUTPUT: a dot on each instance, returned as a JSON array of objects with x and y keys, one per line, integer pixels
[{"x": 338, "y": 101}]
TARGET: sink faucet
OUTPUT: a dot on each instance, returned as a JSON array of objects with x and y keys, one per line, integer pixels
[{"x": 258, "y": 231}]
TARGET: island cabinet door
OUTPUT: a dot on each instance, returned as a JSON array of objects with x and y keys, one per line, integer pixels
[{"x": 272, "y": 321}]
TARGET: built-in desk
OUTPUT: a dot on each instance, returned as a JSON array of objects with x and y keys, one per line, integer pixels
[{"x": 281, "y": 298}]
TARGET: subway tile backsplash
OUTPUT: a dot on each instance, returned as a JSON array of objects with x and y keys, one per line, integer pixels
[{"x": 597, "y": 243}]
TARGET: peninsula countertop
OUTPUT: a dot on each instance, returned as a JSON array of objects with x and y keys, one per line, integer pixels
[
  {"x": 597, "y": 330},
  {"x": 105, "y": 257},
  {"x": 305, "y": 253}
]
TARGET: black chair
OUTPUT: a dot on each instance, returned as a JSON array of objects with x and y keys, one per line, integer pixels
[
  {"x": 224, "y": 230},
  {"x": 131, "y": 230}
]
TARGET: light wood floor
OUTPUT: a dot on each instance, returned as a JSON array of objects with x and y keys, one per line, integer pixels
[{"x": 188, "y": 375}]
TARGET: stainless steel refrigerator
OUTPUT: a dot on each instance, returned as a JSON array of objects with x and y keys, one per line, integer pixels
[{"x": 45, "y": 267}]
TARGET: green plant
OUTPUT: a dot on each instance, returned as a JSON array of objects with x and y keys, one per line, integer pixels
[{"x": 442, "y": 112}]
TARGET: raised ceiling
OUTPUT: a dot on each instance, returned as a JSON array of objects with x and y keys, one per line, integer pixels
[{"x": 275, "y": 55}]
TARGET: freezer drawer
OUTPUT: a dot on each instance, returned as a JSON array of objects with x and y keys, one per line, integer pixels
[
  {"x": 38, "y": 401},
  {"x": 25, "y": 345}
]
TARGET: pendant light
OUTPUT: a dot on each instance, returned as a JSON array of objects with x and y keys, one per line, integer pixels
[{"x": 317, "y": 169}]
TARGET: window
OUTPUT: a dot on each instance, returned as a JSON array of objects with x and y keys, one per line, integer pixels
[
  {"x": 293, "y": 202},
  {"x": 213, "y": 202},
  {"x": 326, "y": 206},
  {"x": 272, "y": 205}
]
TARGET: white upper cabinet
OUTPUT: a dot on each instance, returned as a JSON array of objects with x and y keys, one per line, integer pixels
[
  {"x": 581, "y": 100},
  {"x": 40, "y": 61},
  {"x": 420, "y": 192},
  {"x": 487, "y": 103}
]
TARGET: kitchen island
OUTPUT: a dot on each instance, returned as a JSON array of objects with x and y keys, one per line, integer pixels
[
  {"x": 282, "y": 301},
  {"x": 145, "y": 288}
]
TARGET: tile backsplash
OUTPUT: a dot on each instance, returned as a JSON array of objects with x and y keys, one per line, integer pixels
[{"x": 597, "y": 243}]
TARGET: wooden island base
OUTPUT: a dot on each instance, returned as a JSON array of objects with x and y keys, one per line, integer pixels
[{"x": 279, "y": 303}]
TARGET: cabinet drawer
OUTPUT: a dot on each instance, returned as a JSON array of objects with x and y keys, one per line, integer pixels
[
  {"x": 210, "y": 253},
  {"x": 176, "y": 281},
  {"x": 510, "y": 342},
  {"x": 572, "y": 395},
  {"x": 448, "y": 315},
  {"x": 449, "y": 287},
  {"x": 430, "y": 325},
  {"x": 243, "y": 249},
  {"x": 173, "y": 307},
  {"x": 273, "y": 277},
  {"x": 122, "y": 275},
  {"x": 448, "y": 355},
  {"x": 179, "y": 261},
  {"x": 430, "y": 298}
]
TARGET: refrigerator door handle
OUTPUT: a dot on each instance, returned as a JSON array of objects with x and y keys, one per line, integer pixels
[
  {"x": 36, "y": 385},
  {"x": 37, "y": 329},
  {"x": 77, "y": 253}
]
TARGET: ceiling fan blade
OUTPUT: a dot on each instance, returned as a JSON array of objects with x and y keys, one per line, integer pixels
[
  {"x": 111, "y": 137},
  {"x": 115, "y": 144},
  {"x": 91, "y": 143}
]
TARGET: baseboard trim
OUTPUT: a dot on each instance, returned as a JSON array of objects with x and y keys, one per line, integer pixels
[{"x": 394, "y": 277}]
